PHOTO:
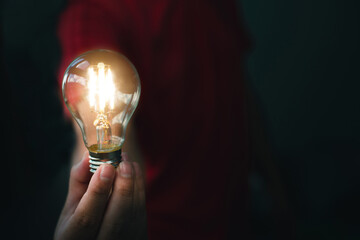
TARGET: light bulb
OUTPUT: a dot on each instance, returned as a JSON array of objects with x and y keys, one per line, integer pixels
[{"x": 101, "y": 89}]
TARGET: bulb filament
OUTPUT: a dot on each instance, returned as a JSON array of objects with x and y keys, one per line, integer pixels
[{"x": 101, "y": 92}]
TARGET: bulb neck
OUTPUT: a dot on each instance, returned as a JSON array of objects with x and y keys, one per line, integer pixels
[{"x": 97, "y": 158}]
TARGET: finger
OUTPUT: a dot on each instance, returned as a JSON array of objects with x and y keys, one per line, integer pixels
[
  {"x": 119, "y": 208},
  {"x": 79, "y": 179},
  {"x": 89, "y": 213},
  {"x": 139, "y": 184},
  {"x": 139, "y": 193}
]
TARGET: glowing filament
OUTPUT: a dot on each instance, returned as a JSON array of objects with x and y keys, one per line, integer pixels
[
  {"x": 101, "y": 88},
  {"x": 92, "y": 87}
]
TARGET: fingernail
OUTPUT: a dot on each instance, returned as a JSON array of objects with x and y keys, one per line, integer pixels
[
  {"x": 107, "y": 172},
  {"x": 125, "y": 169},
  {"x": 125, "y": 156}
]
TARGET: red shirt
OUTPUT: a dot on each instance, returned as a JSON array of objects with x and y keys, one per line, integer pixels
[{"x": 190, "y": 120}]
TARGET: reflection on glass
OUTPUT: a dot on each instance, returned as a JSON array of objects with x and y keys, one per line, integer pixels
[{"x": 101, "y": 89}]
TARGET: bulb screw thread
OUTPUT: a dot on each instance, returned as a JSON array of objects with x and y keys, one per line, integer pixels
[{"x": 96, "y": 159}]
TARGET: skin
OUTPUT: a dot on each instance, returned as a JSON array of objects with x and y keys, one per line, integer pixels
[
  {"x": 110, "y": 220},
  {"x": 109, "y": 204}
]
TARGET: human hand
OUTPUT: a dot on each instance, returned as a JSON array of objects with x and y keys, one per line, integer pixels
[{"x": 109, "y": 204}]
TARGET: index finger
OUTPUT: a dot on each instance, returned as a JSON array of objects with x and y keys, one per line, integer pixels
[
  {"x": 89, "y": 213},
  {"x": 79, "y": 180}
]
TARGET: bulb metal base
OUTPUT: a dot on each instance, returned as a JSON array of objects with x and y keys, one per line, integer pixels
[{"x": 96, "y": 159}]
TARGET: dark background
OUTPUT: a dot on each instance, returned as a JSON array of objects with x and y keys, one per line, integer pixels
[{"x": 303, "y": 70}]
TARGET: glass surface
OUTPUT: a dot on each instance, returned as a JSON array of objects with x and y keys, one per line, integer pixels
[{"x": 101, "y": 89}]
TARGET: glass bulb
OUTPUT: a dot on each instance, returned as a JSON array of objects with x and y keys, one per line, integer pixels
[{"x": 101, "y": 89}]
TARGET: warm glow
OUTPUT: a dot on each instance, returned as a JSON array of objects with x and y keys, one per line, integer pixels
[{"x": 101, "y": 88}]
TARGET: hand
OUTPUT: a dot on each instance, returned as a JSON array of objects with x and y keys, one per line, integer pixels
[{"x": 109, "y": 204}]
